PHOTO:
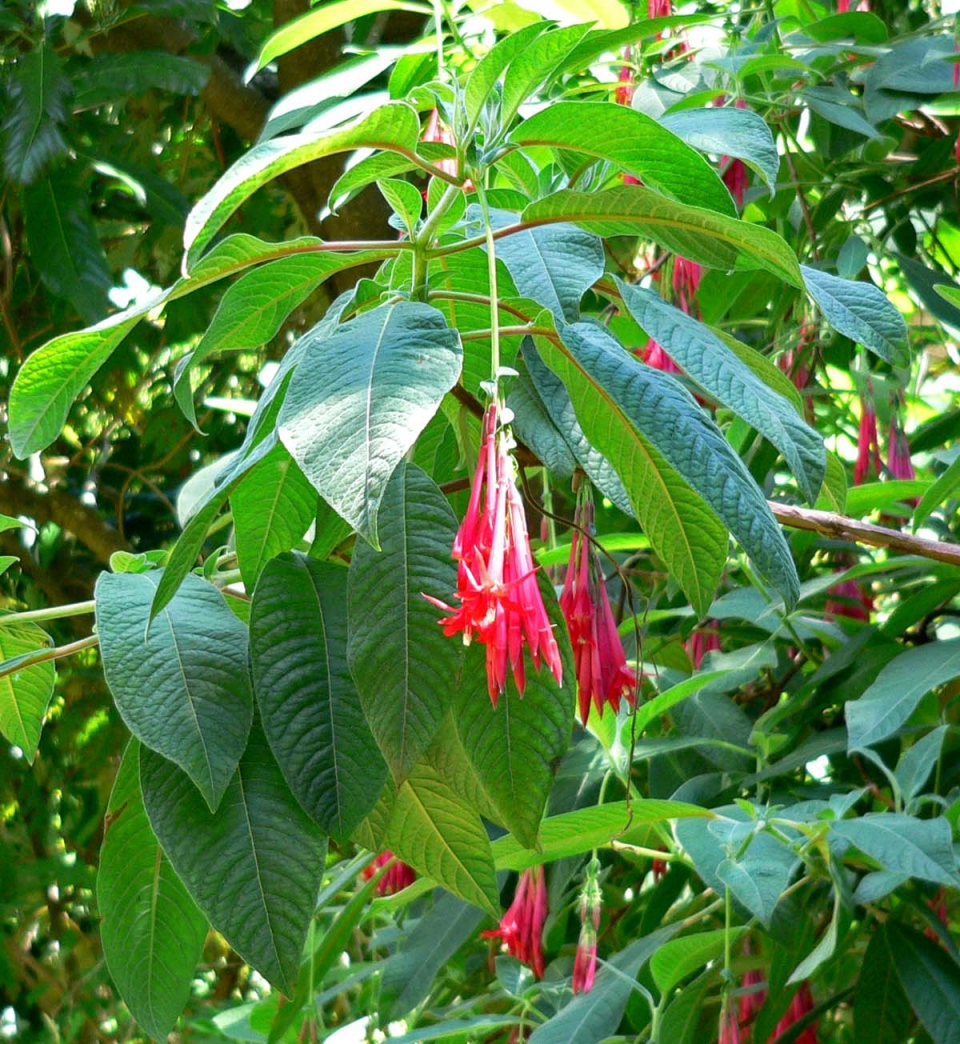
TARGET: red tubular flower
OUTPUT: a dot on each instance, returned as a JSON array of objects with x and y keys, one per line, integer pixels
[
  {"x": 686, "y": 282},
  {"x": 500, "y": 602},
  {"x": 898, "y": 453},
  {"x": 701, "y": 642},
  {"x": 729, "y": 1026},
  {"x": 398, "y": 877},
  {"x": 801, "y": 1004},
  {"x": 624, "y": 92},
  {"x": 603, "y": 676},
  {"x": 868, "y": 443},
  {"x": 850, "y": 599},
  {"x": 521, "y": 927},
  {"x": 652, "y": 354}
]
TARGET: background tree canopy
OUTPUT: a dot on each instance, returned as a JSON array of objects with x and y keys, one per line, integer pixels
[{"x": 273, "y": 279}]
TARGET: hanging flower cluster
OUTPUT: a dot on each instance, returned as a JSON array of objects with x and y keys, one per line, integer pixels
[
  {"x": 736, "y": 1027},
  {"x": 521, "y": 927},
  {"x": 868, "y": 443},
  {"x": 702, "y": 641},
  {"x": 898, "y": 453},
  {"x": 603, "y": 676},
  {"x": 500, "y": 601}
]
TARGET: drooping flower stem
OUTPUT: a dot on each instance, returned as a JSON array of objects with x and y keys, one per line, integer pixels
[{"x": 494, "y": 293}]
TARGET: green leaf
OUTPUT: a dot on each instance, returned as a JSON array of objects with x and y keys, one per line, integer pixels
[
  {"x": 709, "y": 361},
  {"x": 844, "y": 113},
  {"x": 660, "y": 704},
  {"x": 255, "y": 307},
  {"x": 712, "y": 239},
  {"x": 897, "y": 691},
  {"x": 633, "y": 141},
  {"x": 308, "y": 702},
  {"x": 556, "y": 401},
  {"x": 404, "y": 200},
  {"x": 394, "y": 127},
  {"x": 488, "y": 70},
  {"x": 382, "y": 165},
  {"x": 151, "y": 930},
  {"x": 859, "y": 310},
  {"x": 119, "y": 76},
  {"x": 678, "y": 958},
  {"x": 360, "y": 398},
  {"x": 945, "y": 486},
  {"x": 309, "y": 26},
  {"x": 643, "y": 409},
  {"x": 55, "y": 374},
  {"x": 442, "y": 838},
  {"x": 919, "y": 847},
  {"x": 554, "y": 264},
  {"x": 64, "y": 242},
  {"x": 881, "y": 1012},
  {"x": 38, "y": 91},
  {"x": 254, "y": 866},
  {"x": 729, "y": 131},
  {"x": 573, "y": 833},
  {"x": 273, "y": 507},
  {"x": 930, "y": 979},
  {"x": 917, "y": 763},
  {"x": 25, "y": 694},
  {"x": 534, "y": 427},
  {"x": 403, "y": 665},
  {"x": 516, "y": 747},
  {"x": 408, "y": 975},
  {"x": 183, "y": 687},
  {"x": 594, "y": 1016}
]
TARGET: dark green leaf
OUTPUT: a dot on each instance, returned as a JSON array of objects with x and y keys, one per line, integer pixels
[
  {"x": 273, "y": 507},
  {"x": 254, "y": 866},
  {"x": 359, "y": 399},
  {"x": 712, "y": 239},
  {"x": 859, "y": 310},
  {"x": 64, "y": 243},
  {"x": 403, "y": 665},
  {"x": 516, "y": 747},
  {"x": 151, "y": 930},
  {"x": 634, "y": 141},
  {"x": 183, "y": 687},
  {"x": 881, "y": 1012},
  {"x": 116, "y": 77},
  {"x": 918, "y": 762},
  {"x": 898, "y": 689},
  {"x": 308, "y": 702},
  {"x": 918, "y": 847},
  {"x": 930, "y": 979},
  {"x": 651, "y": 409},
  {"x": 33, "y": 137},
  {"x": 709, "y": 361}
]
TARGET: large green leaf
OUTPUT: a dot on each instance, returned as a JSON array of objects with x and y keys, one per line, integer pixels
[
  {"x": 712, "y": 239},
  {"x": 25, "y": 694},
  {"x": 903, "y": 844},
  {"x": 254, "y": 308},
  {"x": 881, "y": 1012},
  {"x": 634, "y": 141},
  {"x": 553, "y": 265},
  {"x": 433, "y": 830},
  {"x": 594, "y": 1016},
  {"x": 64, "y": 242},
  {"x": 254, "y": 866},
  {"x": 151, "y": 930},
  {"x": 37, "y": 107},
  {"x": 629, "y": 412},
  {"x": 860, "y": 310},
  {"x": 729, "y": 131},
  {"x": 54, "y": 375},
  {"x": 308, "y": 702},
  {"x": 897, "y": 691},
  {"x": 394, "y": 127},
  {"x": 678, "y": 958},
  {"x": 556, "y": 401},
  {"x": 516, "y": 747},
  {"x": 403, "y": 665},
  {"x": 709, "y": 361},
  {"x": 491, "y": 66},
  {"x": 930, "y": 979},
  {"x": 360, "y": 398},
  {"x": 183, "y": 686},
  {"x": 273, "y": 507}
]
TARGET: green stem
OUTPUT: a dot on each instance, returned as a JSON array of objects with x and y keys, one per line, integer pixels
[
  {"x": 494, "y": 294},
  {"x": 53, "y": 613},
  {"x": 421, "y": 246},
  {"x": 21, "y": 663}
]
